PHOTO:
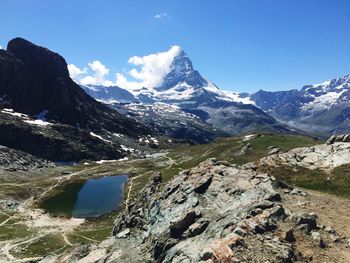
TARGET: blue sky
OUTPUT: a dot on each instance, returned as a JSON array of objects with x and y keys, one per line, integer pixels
[{"x": 240, "y": 45}]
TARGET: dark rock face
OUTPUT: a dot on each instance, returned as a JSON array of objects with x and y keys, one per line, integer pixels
[
  {"x": 34, "y": 79},
  {"x": 35, "y": 84},
  {"x": 57, "y": 142}
]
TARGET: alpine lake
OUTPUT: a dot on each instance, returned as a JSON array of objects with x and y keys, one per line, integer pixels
[{"x": 87, "y": 199}]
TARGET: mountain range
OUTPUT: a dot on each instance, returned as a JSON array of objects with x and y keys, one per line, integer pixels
[
  {"x": 228, "y": 113},
  {"x": 319, "y": 109},
  {"x": 47, "y": 114}
]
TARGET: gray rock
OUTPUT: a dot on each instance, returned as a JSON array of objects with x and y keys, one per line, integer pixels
[
  {"x": 339, "y": 138},
  {"x": 288, "y": 235},
  {"x": 307, "y": 221},
  {"x": 274, "y": 151},
  {"x": 317, "y": 237},
  {"x": 124, "y": 234}
]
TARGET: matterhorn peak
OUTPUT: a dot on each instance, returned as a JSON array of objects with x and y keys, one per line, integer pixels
[{"x": 181, "y": 71}]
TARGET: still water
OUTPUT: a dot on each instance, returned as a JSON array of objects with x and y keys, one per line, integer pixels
[{"x": 91, "y": 198}]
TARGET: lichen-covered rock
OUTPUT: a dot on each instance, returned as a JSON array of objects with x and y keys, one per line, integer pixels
[
  {"x": 339, "y": 138},
  {"x": 323, "y": 156},
  {"x": 214, "y": 212}
]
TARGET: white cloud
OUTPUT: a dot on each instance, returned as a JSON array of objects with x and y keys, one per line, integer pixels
[
  {"x": 161, "y": 15},
  {"x": 76, "y": 72},
  {"x": 153, "y": 69},
  {"x": 98, "y": 75},
  {"x": 1, "y": 47},
  {"x": 148, "y": 71}
]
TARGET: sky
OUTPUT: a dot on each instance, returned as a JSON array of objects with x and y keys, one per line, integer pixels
[{"x": 240, "y": 45}]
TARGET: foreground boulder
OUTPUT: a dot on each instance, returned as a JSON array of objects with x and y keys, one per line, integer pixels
[
  {"x": 339, "y": 138},
  {"x": 323, "y": 156},
  {"x": 213, "y": 213}
]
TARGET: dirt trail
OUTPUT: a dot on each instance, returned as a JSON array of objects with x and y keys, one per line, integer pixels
[
  {"x": 332, "y": 211},
  {"x": 39, "y": 221}
]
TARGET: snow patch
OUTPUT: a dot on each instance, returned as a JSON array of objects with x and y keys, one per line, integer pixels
[
  {"x": 38, "y": 122},
  {"x": 99, "y": 137},
  {"x": 126, "y": 149},
  {"x": 111, "y": 161}
]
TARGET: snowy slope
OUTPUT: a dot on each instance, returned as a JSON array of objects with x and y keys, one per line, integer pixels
[{"x": 109, "y": 95}]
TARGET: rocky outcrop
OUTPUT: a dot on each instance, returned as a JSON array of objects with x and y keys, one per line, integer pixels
[
  {"x": 17, "y": 164},
  {"x": 211, "y": 213},
  {"x": 215, "y": 212},
  {"x": 339, "y": 138},
  {"x": 12, "y": 160},
  {"x": 324, "y": 156}
]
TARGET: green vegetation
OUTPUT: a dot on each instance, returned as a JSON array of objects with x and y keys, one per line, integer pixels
[
  {"x": 227, "y": 149},
  {"x": 336, "y": 182},
  {"x": 42, "y": 246},
  {"x": 13, "y": 230}
]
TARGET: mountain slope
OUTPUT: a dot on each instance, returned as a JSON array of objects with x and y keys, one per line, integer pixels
[
  {"x": 109, "y": 95},
  {"x": 34, "y": 81},
  {"x": 45, "y": 113},
  {"x": 322, "y": 109},
  {"x": 171, "y": 121}
]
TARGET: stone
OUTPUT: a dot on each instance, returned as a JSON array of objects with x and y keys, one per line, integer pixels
[
  {"x": 157, "y": 178},
  {"x": 124, "y": 234},
  {"x": 329, "y": 230},
  {"x": 296, "y": 191},
  {"x": 317, "y": 237},
  {"x": 198, "y": 227},
  {"x": 179, "y": 227},
  {"x": 335, "y": 238},
  {"x": 203, "y": 184},
  {"x": 274, "y": 151},
  {"x": 288, "y": 235},
  {"x": 308, "y": 220}
]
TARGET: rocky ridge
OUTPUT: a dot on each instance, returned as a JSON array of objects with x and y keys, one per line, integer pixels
[
  {"x": 324, "y": 157},
  {"x": 13, "y": 163},
  {"x": 35, "y": 81}
]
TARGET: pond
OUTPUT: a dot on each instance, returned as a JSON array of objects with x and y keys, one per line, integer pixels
[{"x": 86, "y": 199}]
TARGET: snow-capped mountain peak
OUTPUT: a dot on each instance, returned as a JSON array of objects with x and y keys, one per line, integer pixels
[
  {"x": 182, "y": 71},
  {"x": 182, "y": 83}
]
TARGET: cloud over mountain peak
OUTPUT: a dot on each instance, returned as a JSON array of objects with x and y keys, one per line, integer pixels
[{"x": 147, "y": 71}]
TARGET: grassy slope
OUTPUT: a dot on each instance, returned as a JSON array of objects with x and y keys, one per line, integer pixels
[{"x": 337, "y": 182}]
